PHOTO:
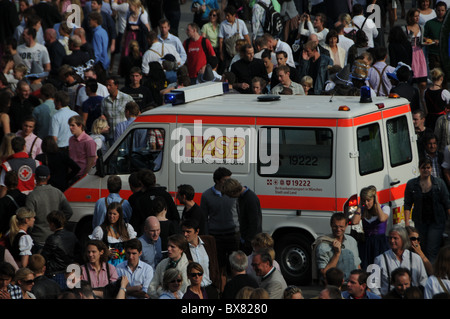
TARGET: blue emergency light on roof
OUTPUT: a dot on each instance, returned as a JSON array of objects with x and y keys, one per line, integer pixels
[
  {"x": 195, "y": 92},
  {"x": 365, "y": 95}
]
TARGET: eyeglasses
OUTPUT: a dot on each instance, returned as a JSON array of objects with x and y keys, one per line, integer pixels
[
  {"x": 29, "y": 282},
  {"x": 414, "y": 238},
  {"x": 175, "y": 280},
  {"x": 195, "y": 274},
  {"x": 213, "y": 15}
]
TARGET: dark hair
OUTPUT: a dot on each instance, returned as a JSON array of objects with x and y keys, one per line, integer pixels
[
  {"x": 49, "y": 145},
  {"x": 397, "y": 35},
  {"x": 363, "y": 275},
  {"x": 96, "y": 16},
  {"x": 334, "y": 276},
  {"x": 338, "y": 216},
  {"x": 134, "y": 243},
  {"x": 18, "y": 144},
  {"x": 48, "y": 90},
  {"x": 220, "y": 173},
  {"x": 159, "y": 204},
  {"x": 62, "y": 97},
  {"x": 178, "y": 240},
  {"x": 186, "y": 190},
  {"x": 147, "y": 177},
  {"x": 331, "y": 34},
  {"x": 57, "y": 217},
  {"x": 114, "y": 184},
  {"x": 190, "y": 223},
  {"x": 101, "y": 246},
  {"x": 410, "y": 15},
  {"x": 133, "y": 108},
  {"x": 7, "y": 269},
  {"x": 266, "y": 54},
  {"x": 399, "y": 272},
  {"x": 230, "y": 9},
  {"x": 92, "y": 85}
]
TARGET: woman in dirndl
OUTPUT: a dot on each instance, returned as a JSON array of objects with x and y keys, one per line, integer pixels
[{"x": 114, "y": 232}]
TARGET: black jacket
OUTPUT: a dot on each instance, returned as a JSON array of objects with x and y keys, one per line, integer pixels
[{"x": 60, "y": 250}]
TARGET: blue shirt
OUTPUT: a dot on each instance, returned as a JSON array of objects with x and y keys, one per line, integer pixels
[
  {"x": 100, "y": 45},
  {"x": 59, "y": 126},
  {"x": 142, "y": 275},
  {"x": 100, "y": 209},
  {"x": 43, "y": 113},
  {"x": 151, "y": 251}
]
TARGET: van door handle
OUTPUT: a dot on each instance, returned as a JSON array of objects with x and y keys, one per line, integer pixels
[{"x": 395, "y": 183}]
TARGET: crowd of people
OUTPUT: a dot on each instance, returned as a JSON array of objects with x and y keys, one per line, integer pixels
[{"x": 63, "y": 102}]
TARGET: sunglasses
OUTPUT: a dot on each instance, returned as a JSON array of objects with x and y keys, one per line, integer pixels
[
  {"x": 29, "y": 282},
  {"x": 414, "y": 238},
  {"x": 195, "y": 274},
  {"x": 176, "y": 280}
]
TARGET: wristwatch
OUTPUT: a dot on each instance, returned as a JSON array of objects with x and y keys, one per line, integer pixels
[{"x": 124, "y": 289}]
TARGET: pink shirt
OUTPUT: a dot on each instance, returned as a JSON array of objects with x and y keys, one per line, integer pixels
[
  {"x": 80, "y": 148},
  {"x": 100, "y": 279}
]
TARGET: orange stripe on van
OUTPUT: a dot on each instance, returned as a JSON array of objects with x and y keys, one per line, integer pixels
[
  {"x": 367, "y": 118},
  {"x": 157, "y": 119},
  {"x": 284, "y": 121},
  {"x": 223, "y": 120},
  {"x": 396, "y": 111}
]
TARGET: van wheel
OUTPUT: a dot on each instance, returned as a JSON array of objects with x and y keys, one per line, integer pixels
[{"x": 293, "y": 253}]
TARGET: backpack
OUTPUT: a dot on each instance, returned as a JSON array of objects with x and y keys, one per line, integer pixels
[{"x": 273, "y": 22}]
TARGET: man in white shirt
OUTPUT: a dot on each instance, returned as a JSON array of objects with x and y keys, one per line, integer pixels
[
  {"x": 368, "y": 26},
  {"x": 168, "y": 38},
  {"x": 277, "y": 45},
  {"x": 31, "y": 51},
  {"x": 157, "y": 51}
]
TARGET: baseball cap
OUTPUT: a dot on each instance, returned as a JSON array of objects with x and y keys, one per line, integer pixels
[{"x": 42, "y": 171}]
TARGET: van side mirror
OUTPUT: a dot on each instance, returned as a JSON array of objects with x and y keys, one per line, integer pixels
[{"x": 99, "y": 165}]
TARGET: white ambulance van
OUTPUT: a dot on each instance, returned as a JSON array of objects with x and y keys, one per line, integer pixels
[{"x": 305, "y": 157}]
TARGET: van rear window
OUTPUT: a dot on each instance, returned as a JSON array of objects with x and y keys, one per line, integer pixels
[
  {"x": 369, "y": 148},
  {"x": 304, "y": 152},
  {"x": 399, "y": 141}
]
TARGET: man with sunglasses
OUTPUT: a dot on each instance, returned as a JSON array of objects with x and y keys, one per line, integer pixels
[
  {"x": 139, "y": 273},
  {"x": 202, "y": 249}
]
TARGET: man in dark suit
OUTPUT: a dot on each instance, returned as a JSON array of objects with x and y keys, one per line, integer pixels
[
  {"x": 55, "y": 50},
  {"x": 78, "y": 57},
  {"x": 247, "y": 68},
  {"x": 202, "y": 249}
]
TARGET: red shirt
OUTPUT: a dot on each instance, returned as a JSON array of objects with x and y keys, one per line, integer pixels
[{"x": 196, "y": 57}]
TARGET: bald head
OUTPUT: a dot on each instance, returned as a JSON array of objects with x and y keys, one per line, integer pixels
[
  {"x": 81, "y": 33},
  {"x": 50, "y": 35},
  {"x": 152, "y": 228}
]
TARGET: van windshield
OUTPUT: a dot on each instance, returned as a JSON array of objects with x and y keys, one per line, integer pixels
[
  {"x": 141, "y": 148},
  {"x": 303, "y": 152}
]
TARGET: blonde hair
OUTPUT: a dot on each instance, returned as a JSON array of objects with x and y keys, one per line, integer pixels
[
  {"x": 259, "y": 293},
  {"x": 137, "y": 3},
  {"x": 98, "y": 125},
  {"x": 20, "y": 218},
  {"x": 22, "y": 273},
  {"x": 245, "y": 292},
  {"x": 307, "y": 80},
  {"x": 436, "y": 74}
]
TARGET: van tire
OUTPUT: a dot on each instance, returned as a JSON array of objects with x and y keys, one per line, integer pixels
[{"x": 293, "y": 254}]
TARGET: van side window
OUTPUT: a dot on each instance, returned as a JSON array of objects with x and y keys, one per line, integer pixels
[
  {"x": 369, "y": 148},
  {"x": 399, "y": 141},
  {"x": 141, "y": 148},
  {"x": 304, "y": 152}
]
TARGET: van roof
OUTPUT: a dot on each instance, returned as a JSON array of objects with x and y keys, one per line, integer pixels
[{"x": 320, "y": 106}]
